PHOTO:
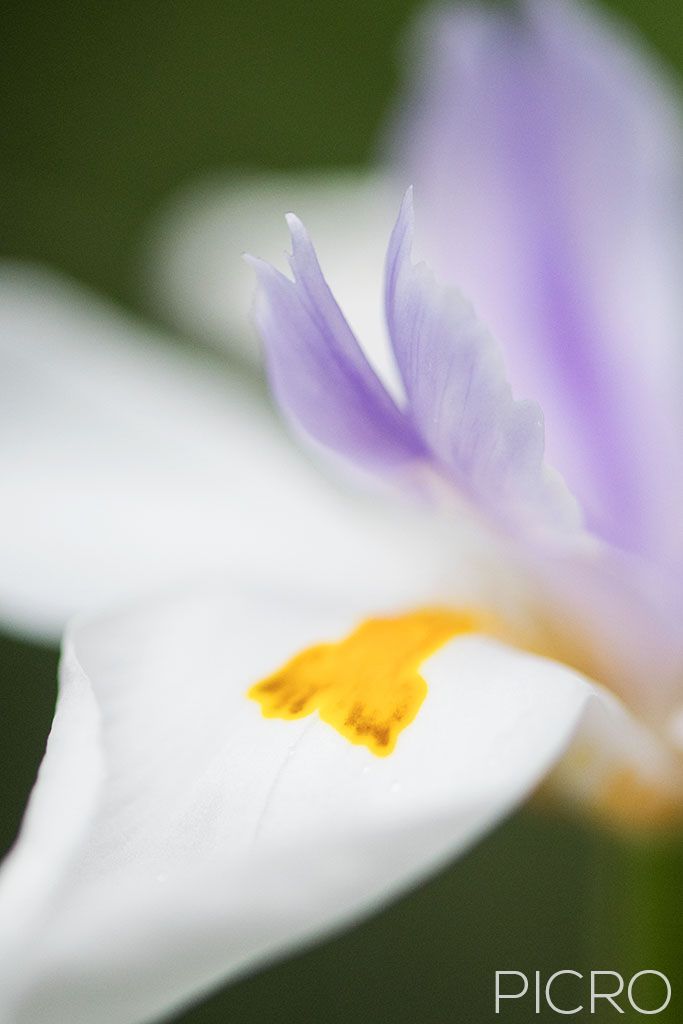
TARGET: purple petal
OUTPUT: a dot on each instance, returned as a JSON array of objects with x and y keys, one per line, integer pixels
[
  {"x": 548, "y": 156},
  {"x": 490, "y": 445},
  {"x": 460, "y": 420},
  {"x": 317, "y": 370}
]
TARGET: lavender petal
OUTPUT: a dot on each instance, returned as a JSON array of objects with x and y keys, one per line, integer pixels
[
  {"x": 488, "y": 444},
  {"x": 318, "y": 372},
  {"x": 547, "y": 152}
]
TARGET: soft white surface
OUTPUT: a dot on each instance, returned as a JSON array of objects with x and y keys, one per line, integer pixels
[
  {"x": 126, "y": 463},
  {"x": 219, "y": 838},
  {"x": 56, "y": 822}
]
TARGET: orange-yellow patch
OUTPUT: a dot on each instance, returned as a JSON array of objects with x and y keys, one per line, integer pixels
[{"x": 367, "y": 686}]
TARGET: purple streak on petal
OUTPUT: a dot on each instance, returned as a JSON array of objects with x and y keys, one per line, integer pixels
[
  {"x": 317, "y": 370},
  {"x": 459, "y": 398},
  {"x": 550, "y": 158}
]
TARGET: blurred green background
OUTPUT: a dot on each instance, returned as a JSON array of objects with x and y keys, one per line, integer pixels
[{"x": 108, "y": 108}]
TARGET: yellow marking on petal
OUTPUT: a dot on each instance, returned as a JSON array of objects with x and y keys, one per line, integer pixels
[{"x": 367, "y": 686}]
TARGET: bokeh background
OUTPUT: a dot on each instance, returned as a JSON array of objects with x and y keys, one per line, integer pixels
[{"x": 110, "y": 108}]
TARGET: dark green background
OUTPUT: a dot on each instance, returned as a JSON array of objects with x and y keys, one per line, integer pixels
[{"x": 107, "y": 109}]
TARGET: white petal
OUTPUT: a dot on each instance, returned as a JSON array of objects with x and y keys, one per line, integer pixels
[
  {"x": 54, "y": 827},
  {"x": 126, "y": 463},
  {"x": 222, "y": 838},
  {"x": 199, "y": 280}
]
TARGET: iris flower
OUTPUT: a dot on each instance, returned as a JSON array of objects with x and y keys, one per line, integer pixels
[{"x": 337, "y": 705}]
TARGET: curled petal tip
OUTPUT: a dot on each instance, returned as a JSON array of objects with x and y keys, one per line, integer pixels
[
  {"x": 296, "y": 228},
  {"x": 302, "y": 247}
]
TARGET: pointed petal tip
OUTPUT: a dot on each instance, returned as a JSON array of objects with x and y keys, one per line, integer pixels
[
  {"x": 262, "y": 268},
  {"x": 402, "y": 233},
  {"x": 406, "y": 213},
  {"x": 258, "y": 265},
  {"x": 298, "y": 234},
  {"x": 299, "y": 237}
]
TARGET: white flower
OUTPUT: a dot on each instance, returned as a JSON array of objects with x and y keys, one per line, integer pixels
[{"x": 320, "y": 706}]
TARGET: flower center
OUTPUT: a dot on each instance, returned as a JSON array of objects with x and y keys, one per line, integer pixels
[{"x": 367, "y": 686}]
